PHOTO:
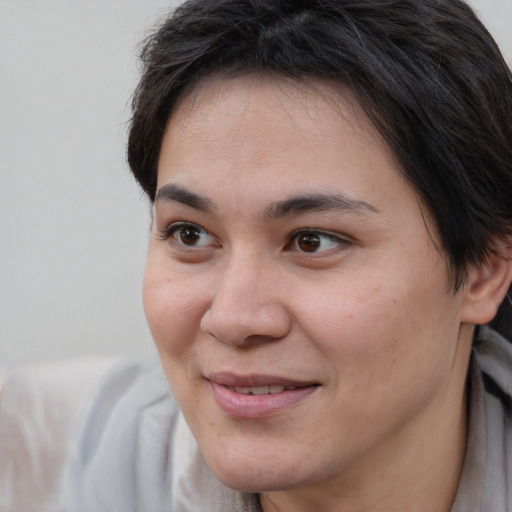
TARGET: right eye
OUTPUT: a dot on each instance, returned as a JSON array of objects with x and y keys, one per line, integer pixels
[{"x": 189, "y": 235}]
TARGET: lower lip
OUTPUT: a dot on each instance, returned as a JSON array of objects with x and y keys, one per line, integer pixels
[{"x": 239, "y": 405}]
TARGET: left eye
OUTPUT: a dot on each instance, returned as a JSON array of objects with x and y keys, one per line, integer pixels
[
  {"x": 314, "y": 241},
  {"x": 190, "y": 235}
]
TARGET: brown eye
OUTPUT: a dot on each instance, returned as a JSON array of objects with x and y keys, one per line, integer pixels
[
  {"x": 189, "y": 235},
  {"x": 308, "y": 242},
  {"x": 313, "y": 242}
]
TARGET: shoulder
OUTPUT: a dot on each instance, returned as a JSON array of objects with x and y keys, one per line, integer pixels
[
  {"x": 493, "y": 355},
  {"x": 123, "y": 445},
  {"x": 485, "y": 481}
]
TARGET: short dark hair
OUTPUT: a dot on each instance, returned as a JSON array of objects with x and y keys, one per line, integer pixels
[{"x": 427, "y": 73}]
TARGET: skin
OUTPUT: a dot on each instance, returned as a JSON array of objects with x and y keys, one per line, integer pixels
[{"x": 366, "y": 312}]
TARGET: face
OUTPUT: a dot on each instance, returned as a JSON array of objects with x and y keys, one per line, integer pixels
[{"x": 302, "y": 312}]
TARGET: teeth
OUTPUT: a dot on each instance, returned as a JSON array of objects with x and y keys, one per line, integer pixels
[
  {"x": 275, "y": 389},
  {"x": 262, "y": 390}
]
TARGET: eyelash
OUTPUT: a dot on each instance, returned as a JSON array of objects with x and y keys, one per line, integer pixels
[
  {"x": 316, "y": 236},
  {"x": 172, "y": 230}
]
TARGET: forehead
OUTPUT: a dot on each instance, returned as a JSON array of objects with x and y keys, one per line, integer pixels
[
  {"x": 252, "y": 116},
  {"x": 251, "y": 96}
]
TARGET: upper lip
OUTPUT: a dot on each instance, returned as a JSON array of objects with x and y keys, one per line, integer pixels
[{"x": 255, "y": 380}]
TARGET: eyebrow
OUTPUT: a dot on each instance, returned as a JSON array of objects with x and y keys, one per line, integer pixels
[
  {"x": 181, "y": 195},
  {"x": 318, "y": 202},
  {"x": 295, "y": 205}
]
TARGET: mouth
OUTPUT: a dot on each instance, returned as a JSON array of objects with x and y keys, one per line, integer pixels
[
  {"x": 258, "y": 396},
  {"x": 273, "y": 389}
]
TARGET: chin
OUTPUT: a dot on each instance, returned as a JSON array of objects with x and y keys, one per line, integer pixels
[
  {"x": 255, "y": 474},
  {"x": 253, "y": 482}
]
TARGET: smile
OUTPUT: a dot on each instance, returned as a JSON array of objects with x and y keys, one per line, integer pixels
[
  {"x": 261, "y": 390},
  {"x": 251, "y": 398}
]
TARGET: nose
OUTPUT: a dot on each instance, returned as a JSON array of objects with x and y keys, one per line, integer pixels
[{"x": 246, "y": 307}]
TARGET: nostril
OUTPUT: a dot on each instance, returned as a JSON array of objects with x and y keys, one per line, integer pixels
[{"x": 246, "y": 326}]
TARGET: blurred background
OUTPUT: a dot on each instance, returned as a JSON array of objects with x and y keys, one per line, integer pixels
[{"x": 73, "y": 224}]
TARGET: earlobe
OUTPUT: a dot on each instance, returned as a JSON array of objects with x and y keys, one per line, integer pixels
[{"x": 487, "y": 286}]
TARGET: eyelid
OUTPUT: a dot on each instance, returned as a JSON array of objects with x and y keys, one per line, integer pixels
[
  {"x": 171, "y": 229},
  {"x": 321, "y": 232}
]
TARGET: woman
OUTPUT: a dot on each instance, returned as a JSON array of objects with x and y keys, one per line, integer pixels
[{"x": 332, "y": 224}]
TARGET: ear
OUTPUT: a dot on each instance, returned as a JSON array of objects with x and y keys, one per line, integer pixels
[{"x": 487, "y": 286}]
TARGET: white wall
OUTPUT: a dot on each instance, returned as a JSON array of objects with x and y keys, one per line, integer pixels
[
  {"x": 73, "y": 225},
  {"x": 497, "y": 16}
]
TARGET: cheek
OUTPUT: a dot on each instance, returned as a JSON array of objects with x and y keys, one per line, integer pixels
[
  {"x": 387, "y": 357},
  {"x": 371, "y": 326},
  {"x": 353, "y": 329},
  {"x": 173, "y": 308}
]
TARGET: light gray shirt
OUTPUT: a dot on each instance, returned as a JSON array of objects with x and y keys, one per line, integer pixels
[{"x": 136, "y": 453}]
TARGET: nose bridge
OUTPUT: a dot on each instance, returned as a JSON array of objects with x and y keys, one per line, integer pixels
[{"x": 246, "y": 304}]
